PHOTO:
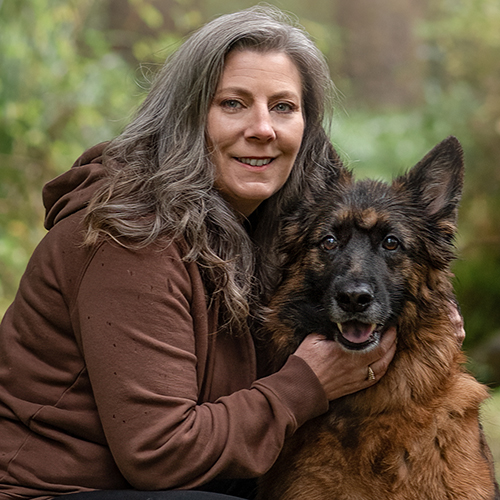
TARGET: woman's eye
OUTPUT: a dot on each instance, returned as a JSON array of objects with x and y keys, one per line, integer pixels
[
  {"x": 391, "y": 243},
  {"x": 283, "y": 107},
  {"x": 329, "y": 243},
  {"x": 231, "y": 104}
]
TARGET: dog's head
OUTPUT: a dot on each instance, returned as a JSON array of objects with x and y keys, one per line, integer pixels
[{"x": 358, "y": 252}]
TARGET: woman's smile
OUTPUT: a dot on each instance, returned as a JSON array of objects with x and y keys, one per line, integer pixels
[{"x": 255, "y": 162}]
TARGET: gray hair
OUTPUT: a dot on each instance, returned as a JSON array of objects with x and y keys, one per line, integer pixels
[{"x": 161, "y": 178}]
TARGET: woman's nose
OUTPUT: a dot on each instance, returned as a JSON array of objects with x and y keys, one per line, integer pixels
[{"x": 260, "y": 125}]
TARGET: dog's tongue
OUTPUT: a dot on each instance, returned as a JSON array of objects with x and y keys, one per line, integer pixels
[{"x": 355, "y": 331}]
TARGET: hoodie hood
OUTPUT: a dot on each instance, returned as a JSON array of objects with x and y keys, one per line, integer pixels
[{"x": 70, "y": 192}]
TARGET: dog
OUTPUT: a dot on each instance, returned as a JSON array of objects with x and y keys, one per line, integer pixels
[{"x": 360, "y": 257}]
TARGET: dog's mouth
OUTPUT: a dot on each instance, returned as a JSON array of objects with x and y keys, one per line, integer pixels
[{"x": 356, "y": 335}]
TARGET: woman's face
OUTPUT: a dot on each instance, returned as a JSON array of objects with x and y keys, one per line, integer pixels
[{"x": 255, "y": 126}]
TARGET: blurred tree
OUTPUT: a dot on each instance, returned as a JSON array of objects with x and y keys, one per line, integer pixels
[
  {"x": 139, "y": 29},
  {"x": 381, "y": 51}
]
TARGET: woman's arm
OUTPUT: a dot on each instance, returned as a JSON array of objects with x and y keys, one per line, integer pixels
[{"x": 139, "y": 320}]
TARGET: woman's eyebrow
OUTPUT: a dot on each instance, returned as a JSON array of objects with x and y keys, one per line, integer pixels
[{"x": 285, "y": 94}]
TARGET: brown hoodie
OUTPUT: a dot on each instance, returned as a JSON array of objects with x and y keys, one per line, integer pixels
[{"x": 112, "y": 375}]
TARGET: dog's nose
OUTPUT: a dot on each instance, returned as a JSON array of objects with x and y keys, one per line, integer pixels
[{"x": 355, "y": 299}]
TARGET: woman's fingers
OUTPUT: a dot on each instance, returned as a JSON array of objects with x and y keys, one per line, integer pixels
[{"x": 343, "y": 372}]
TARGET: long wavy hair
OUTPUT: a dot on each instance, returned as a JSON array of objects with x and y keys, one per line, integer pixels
[{"x": 160, "y": 181}]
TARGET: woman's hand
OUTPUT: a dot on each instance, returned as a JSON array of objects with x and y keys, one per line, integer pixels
[{"x": 341, "y": 372}]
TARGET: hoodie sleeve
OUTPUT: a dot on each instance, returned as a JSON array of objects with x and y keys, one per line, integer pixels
[{"x": 139, "y": 318}]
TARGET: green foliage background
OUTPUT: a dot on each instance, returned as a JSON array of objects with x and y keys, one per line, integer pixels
[
  {"x": 61, "y": 89},
  {"x": 72, "y": 72}
]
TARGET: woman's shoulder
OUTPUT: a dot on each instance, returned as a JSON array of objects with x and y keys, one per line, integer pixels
[{"x": 158, "y": 265}]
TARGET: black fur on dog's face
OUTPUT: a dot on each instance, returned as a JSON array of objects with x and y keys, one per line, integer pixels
[
  {"x": 357, "y": 252},
  {"x": 361, "y": 252}
]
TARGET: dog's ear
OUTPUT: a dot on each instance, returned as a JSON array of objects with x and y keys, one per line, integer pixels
[{"x": 436, "y": 181}]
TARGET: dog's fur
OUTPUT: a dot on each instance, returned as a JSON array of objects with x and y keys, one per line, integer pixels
[{"x": 362, "y": 253}]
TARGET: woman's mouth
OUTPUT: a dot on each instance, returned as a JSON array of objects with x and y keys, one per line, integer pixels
[{"x": 255, "y": 162}]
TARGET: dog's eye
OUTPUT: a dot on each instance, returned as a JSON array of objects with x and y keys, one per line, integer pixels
[
  {"x": 390, "y": 243},
  {"x": 329, "y": 243}
]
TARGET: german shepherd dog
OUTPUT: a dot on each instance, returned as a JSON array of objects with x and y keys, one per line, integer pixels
[{"x": 360, "y": 257}]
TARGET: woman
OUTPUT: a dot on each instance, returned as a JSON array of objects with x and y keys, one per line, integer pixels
[{"x": 126, "y": 358}]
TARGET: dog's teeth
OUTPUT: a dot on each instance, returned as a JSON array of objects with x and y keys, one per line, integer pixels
[{"x": 339, "y": 326}]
